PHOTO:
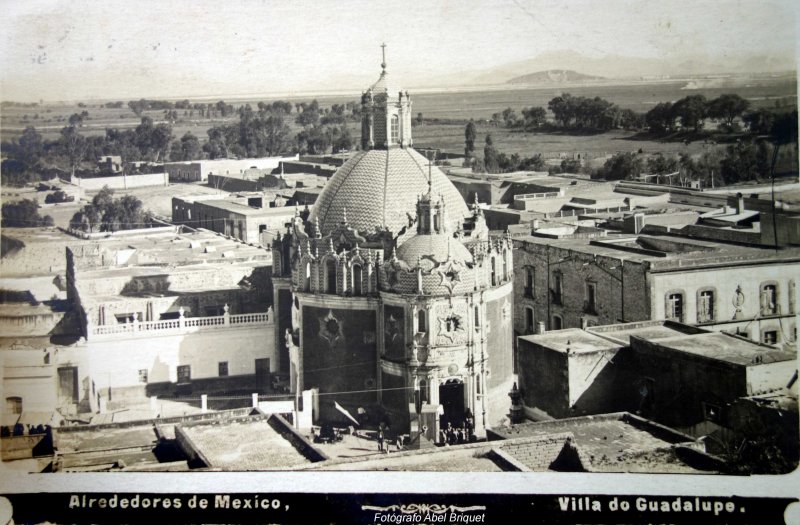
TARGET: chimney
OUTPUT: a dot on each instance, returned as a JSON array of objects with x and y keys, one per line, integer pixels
[
  {"x": 540, "y": 329},
  {"x": 739, "y": 203}
]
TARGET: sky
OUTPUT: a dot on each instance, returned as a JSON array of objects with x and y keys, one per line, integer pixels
[{"x": 77, "y": 49}]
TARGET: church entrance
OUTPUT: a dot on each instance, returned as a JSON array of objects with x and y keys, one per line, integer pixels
[{"x": 451, "y": 397}]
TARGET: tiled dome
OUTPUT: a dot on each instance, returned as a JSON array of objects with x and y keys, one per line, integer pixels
[
  {"x": 379, "y": 188},
  {"x": 430, "y": 250}
]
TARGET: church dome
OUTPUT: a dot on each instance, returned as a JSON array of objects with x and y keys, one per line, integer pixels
[
  {"x": 379, "y": 188},
  {"x": 431, "y": 250}
]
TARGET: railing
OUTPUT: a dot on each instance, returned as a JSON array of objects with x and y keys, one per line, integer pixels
[
  {"x": 533, "y": 196},
  {"x": 180, "y": 325}
]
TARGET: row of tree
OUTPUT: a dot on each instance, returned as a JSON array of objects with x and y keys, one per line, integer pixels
[{"x": 597, "y": 114}]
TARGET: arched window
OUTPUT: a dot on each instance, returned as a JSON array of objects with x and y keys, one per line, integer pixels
[
  {"x": 330, "y": 276},
  {"x": 478, "y": 317},
  {"x": 357, "y": 277},
  {"x": 769, "y": 298},
  {"x": 423, "y": 391},
  {"x": 674, "y": 307},
  {"x": 494, "y": 273},
  {"x": 558, "y": 322},
  {"x": 422, "y": 325},
  {"x": 436, "y": 225},
  {"x": 529, "y": 329},
  {"x": 706, "y": 303},
  {"x": 307, "y": 277},
  {"x": 395, "y": 130},
  {"x": 505, "y": 267},
  {"x": 528, "y": 291}
]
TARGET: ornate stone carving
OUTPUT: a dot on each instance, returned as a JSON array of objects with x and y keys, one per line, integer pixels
[{"x": 330, "y": 329}]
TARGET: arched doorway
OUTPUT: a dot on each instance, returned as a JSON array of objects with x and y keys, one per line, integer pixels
[{"x": 451, "y": 397}]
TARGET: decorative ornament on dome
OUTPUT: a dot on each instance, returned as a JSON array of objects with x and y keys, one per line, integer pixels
[
  {"x": 317, "y": 231},
  {"x": 383, "y": 58}
]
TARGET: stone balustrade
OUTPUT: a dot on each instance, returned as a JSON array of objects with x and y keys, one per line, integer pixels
[{"x": 181, "y": 325}]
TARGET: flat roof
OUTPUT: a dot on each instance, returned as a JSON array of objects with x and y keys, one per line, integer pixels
[
  {"x": 688, "y": 253},
  {"x": 726, "y": 347},
  {"x": 612, "y": 442},
  {"x": 578, "y": 341},
  {"x": 650, "y": 330},
  {"x": 244, "y": 445}
]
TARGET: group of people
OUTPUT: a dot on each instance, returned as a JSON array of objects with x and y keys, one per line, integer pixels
[
  {"x": 455, "y": 435},
  {"x": 21, "y": 430}
]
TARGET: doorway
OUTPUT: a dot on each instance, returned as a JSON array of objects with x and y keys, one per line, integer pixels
[
  {"x": 451, "y": 397},
  {"x": 262, "y": 374}
]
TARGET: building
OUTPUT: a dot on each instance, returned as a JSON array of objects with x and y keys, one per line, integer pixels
[
  {"x": 392, "y": 295},
  {"x": 677, "y": 375},
  {"x": 247, "y": 217},
  {"x": 159, "y": 312},
  {"x": 579, "y": 281},
  {"x": 199, "y": 170}
]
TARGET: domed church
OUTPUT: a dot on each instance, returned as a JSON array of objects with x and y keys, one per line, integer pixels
[{"x": 391, "y": 295}]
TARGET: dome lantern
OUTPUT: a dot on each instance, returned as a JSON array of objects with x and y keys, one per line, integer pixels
[{"x": 385, "y": 114}]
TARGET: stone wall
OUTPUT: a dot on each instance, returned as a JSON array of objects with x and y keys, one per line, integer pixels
[{"x": 123, "y": 182}]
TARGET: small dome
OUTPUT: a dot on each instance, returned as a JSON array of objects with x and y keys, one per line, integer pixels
[
  {"x": 379, "y": 189},
  {"x": 432, "y": 250}
]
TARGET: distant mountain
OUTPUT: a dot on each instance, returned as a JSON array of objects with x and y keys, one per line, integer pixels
[
  {"x": 615, "y": 67},
  {"x": 553, "y": 76}
]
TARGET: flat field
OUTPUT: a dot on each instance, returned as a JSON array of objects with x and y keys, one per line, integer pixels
[{"x": 459, "y": 105}]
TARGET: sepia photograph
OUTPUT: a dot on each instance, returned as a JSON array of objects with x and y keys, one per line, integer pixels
[{"x": 399, "y": 262}]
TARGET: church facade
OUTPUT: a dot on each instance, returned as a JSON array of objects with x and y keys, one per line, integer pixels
[{"x": 391, "y": 293}]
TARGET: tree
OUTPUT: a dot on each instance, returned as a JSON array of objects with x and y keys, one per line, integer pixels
[
  {"x": 73, "y": 145},
  {"x": 661, "y": 117},
  {"x": 621, "y": 166},
  {"x": 692, "y": 110},
  {"x": 490, "y": 156},
  {"x": 138, "y": 106},
  {"x": 534, "y": 118},
  {"x": 661, "y": 164},
  {"x": 727, "y": 107},
  {"x": 31, "y": 147},
  {"x": 24, "y": 214},
  {"x": 469, "y": 139}
]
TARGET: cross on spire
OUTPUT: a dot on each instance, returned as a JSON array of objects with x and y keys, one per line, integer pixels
[{"x": 383, "y": 56}]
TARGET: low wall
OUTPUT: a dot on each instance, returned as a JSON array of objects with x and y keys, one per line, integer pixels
[
  {"x": 23, "y": 447},
  {"x": 298, "y": 441},
  {"x": 123, "y": 182}
]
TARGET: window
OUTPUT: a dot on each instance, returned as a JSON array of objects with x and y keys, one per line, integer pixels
[
  {"x": 222, "y": 367},
  {"x": 528, "y": 291},
  {"x": 307, "y": 277},
  {"x": 705, "y": 306},
  {"x": 770, "y": 337},
  {"x": 505, "y": 267},
  {"x": 529, "y": 320},
  {"x": 330, "y": 276},
  {"x": 436, "y": 226},
  {"x": 558, "y": 288},
  {"x": 494, "y": 273},
  {"x": 395, "y": 129},
  {"x": 421, "y": 324},
  {"x": 558, "y": 322},
  {"x": 143, "y": 375},
  {"x": 14, "y": 405},
  {"x": 357, "y": 278},
  {"x": 477, "y": 311},
  {"x": 423, "y": 391},
  {"x": 674, "y": 310},
  {"x": 711, "y": 412},
  {"x": 184, "y": 374},
  {"x": 769, "y": 299},
  {"x": 591, "y": 298}
]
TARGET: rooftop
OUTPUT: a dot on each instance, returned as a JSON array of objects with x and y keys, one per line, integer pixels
[
  {"x": 612, "y": 442},
  {"x": 650, "y": 330},
  {"x": 726, "y": 347},
  {"x": 666, "y": 252},
  {"x": 572, "y": 340},
  {"x": 243, "y": 444}
]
